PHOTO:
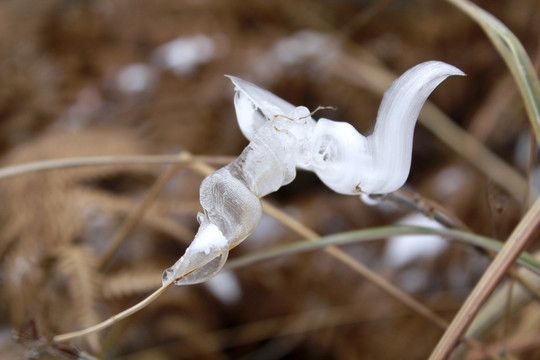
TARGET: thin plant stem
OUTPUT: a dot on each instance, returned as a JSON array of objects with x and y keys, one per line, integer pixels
[
  {"x": 356, "y": 236},
  {"x": 113, "y": 319},
  {"x": 522, "y": 234},
  {"x": 507, "y": 313},
  {"x": 20, "y": 169},
  {"x": 428, "y": 207}
]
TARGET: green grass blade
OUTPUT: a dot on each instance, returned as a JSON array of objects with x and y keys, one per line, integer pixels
[
  {"x": 356, "y": 236},
  {"x": 514, "y": 55}
]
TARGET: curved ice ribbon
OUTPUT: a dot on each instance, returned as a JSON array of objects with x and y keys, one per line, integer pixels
[{"x": 284, "y": 137}]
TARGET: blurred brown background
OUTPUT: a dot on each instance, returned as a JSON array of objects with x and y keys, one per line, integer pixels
[{"x": 83, "y": 78}]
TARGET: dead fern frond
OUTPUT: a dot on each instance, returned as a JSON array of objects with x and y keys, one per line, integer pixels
[
  {"x": 22, "y": 282},
  {"x": 78, "y": 264},
  {"x": 48, "y": 244}
]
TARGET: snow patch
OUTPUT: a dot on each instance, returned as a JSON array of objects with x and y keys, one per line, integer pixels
[
  {"x": 404, "y": 249},
  {"x": 225, "y": 287},
  {"x": 208, "y": 240},
  {"x": 135, "y": 78},
  {"x": 303, "y": 45},
  {"x": 183, "y": 54}
]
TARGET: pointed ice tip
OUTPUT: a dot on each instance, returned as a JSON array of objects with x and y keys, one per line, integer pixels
[
  {"x": 254, "y": 106},
  {"x": 439, "y": 67},
  {"x": 233, "y": 78},
  {"x": 349, "y": 163}
]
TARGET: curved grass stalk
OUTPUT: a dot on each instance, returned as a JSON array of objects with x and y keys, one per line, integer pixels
[
  {"x": 310, "y": 245},
  {"x": 357, "y": 266},
  {"x": 19, "y": 169},
  {"x": 349, "y": 237},
  {"x": 513, "y": 54},
  {"x": 113, "y": 319}
]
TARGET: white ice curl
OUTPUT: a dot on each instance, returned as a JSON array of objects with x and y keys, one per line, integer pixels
[{"x": 345, "y": 160}]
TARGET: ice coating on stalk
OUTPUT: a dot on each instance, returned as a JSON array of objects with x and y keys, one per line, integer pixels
[
  {"x": 282, "y": 138},
  {"x": 230, "y": 197},
  {"x": 229, "y": 204},
  {"x": 203, "y": 258}
]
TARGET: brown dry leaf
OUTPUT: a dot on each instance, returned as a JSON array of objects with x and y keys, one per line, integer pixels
[{"x": 50, "y": 242}]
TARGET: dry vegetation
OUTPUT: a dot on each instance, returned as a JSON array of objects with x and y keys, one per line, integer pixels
[{"x": 59, "y": 61}]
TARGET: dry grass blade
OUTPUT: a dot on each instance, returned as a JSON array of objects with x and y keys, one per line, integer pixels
[
  {"x": 113, "y": 319},
  {"x": 15, "y": 170},
  {"x": 516, "y": 243},
  {"x": 78, "y": 264},
  {"x": 515, "y": 56},
  {"x": 358, "y": 236},
  {"x": 492, "y": 313}
]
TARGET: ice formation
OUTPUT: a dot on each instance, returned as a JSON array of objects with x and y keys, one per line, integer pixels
[
  {"x": 284, "y": 137},
  {"x": 403, "y": 249}
]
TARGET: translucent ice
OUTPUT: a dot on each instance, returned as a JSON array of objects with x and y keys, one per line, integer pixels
[
  {"x": 229, "y": 204},
  {"x": 203, "y": 258}
]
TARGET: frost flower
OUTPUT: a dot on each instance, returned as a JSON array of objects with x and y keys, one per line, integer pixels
[{"x": 284, "y": 137}]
